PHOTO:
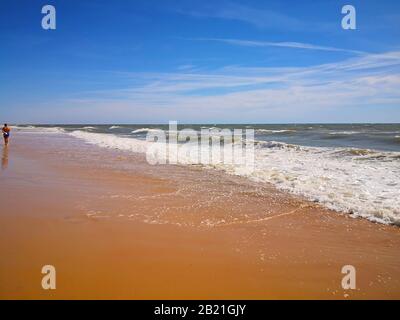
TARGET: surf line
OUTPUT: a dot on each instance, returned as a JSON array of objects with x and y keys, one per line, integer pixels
[{"x": 302, "y": 206}]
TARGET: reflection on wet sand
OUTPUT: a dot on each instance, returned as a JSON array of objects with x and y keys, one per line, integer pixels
[{"x": 4, "y": 158}]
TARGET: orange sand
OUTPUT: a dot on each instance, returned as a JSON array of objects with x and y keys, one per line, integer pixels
[{"x": 117, "y": 228}]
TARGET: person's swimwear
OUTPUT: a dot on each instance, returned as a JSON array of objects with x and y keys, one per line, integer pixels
[{"x": 6, "y": 132}]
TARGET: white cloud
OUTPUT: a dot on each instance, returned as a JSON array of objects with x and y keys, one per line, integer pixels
[
  {"x": 295, "y": 45},
  {"x": 242, "y": 94}
]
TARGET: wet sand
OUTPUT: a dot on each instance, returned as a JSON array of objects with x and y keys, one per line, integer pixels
[{"x": 115, "y": 227}]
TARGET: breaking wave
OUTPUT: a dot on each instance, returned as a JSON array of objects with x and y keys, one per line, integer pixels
[{"x": 365, "y": 183}]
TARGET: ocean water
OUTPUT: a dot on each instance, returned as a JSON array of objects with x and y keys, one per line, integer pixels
[{"x": 351, "y": 168}]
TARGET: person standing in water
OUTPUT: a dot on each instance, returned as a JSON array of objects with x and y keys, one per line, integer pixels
[{"x": 6, "y": 133}]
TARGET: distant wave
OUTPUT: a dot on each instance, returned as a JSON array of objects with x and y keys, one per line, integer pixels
[
  {"x": 114, "y": 127},
  {"x": 38, "y": 129},
  {"x": 143, "y": 130},
  {"x": 274, "y": 131},
  {"x": 343, "y": 133},
  {"x": 21, "y": 127},
  {"x": 338, "y": 135},
  {"x": 211, "y": 128},
  {"x": 277, "y": 145}
]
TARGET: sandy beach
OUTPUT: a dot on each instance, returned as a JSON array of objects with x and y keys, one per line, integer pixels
[{"x": 116, "y": 227}]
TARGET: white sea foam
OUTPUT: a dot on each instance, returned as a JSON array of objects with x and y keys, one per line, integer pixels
[
  {"x": 363, "y": 182},
  {"x": 22, "y": 127},
  {"x": 112, "y": 141},
  {"x": 274, "y": 131},
  {"x": 39, "y": 130},
  {"x": 340, "y": 179},
  {"x": 343, "y": 133},
  {"x": 144, "y": 130}
]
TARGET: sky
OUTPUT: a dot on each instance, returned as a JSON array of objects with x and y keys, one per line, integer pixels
[{"x": 219, "y": 61}]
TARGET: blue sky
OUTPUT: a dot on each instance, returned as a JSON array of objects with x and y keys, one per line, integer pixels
[{"x": 199, "y": 62}]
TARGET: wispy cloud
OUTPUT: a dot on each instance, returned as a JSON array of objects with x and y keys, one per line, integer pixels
[
  {"x": 249, "y": 94},
  {"x": 186, "y": 67},
  {"x": 294, "y": 45}
]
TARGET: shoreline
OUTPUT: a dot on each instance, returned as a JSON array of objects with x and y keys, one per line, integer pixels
[
  {"x": 341, "y": 182},
  {"x": 115, "y": 227}
]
